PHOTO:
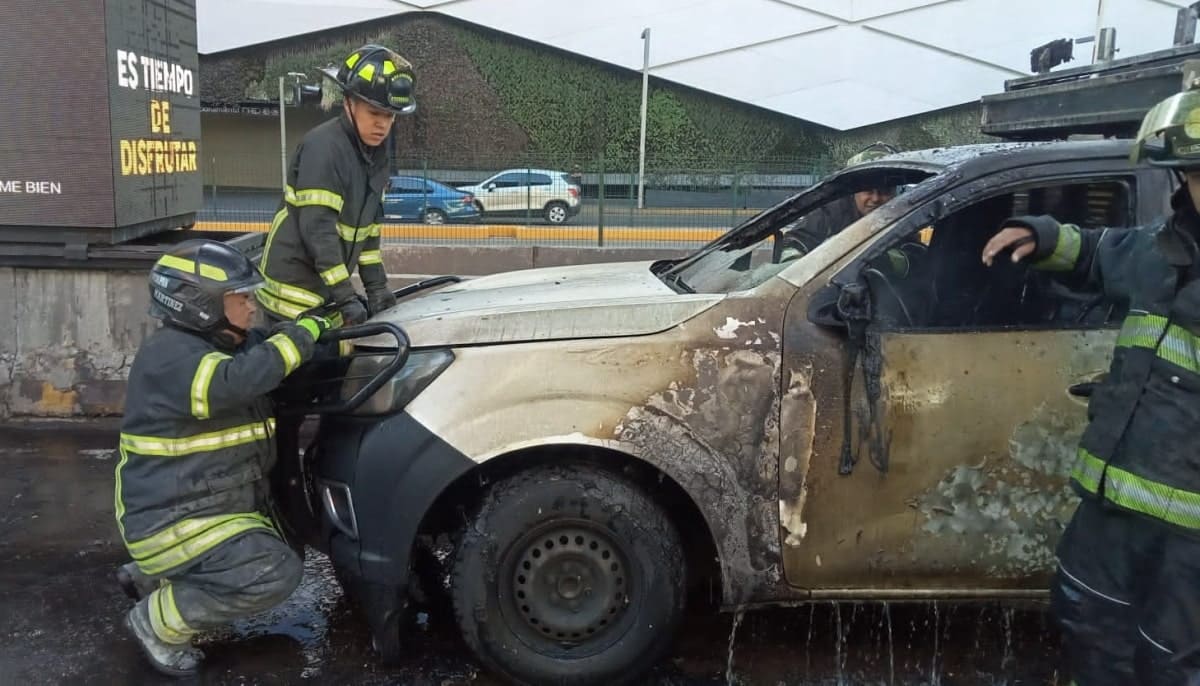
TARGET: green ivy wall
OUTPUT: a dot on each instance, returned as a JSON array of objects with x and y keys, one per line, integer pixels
[{"x": 485, "y": 97}]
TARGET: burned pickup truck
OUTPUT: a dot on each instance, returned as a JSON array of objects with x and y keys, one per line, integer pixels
[{"x": 567, "y": 452}]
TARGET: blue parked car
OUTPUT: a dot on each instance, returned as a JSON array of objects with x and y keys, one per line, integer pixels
[{"x": 428, "y": 201}]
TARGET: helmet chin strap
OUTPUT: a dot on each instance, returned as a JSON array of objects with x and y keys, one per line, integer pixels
[
  {"x": 236, "y": 329},
  {"x": 227, "y": 334},
  {"x": 362, "y": 146}
]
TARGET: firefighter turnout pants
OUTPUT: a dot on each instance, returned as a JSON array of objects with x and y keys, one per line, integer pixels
[
  {"x": 241, "y": 577},
  {"x": 1127, "y": 600}
]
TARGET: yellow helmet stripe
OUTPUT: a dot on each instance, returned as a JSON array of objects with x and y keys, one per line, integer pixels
[{"x": 184, "y": 265}]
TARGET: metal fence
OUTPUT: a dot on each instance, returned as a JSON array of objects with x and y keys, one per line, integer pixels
[{"x": 510, "y": 201}]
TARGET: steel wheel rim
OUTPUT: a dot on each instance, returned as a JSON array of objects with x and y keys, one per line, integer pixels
[{"x": 570, "y": 583}]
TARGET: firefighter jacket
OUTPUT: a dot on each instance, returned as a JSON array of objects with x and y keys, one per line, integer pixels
[
  {"x": 1139, "y": 451},
  {"x": 197, "y": 440},
  {"x": 327, "y": 224}
]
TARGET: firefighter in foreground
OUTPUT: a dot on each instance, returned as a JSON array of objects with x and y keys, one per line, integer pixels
[
  {"x": 329, "y": 221},
  {"x": 1126, "y": 593},
  {"x": 197, "y": 444}
]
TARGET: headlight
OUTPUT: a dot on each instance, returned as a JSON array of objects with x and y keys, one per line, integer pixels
[{"x": 422, "y": 367}]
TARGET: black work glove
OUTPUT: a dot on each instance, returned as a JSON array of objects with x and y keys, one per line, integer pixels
[
  {"x": 379, "y": 300},
  {"x": 352, "y": 312}
]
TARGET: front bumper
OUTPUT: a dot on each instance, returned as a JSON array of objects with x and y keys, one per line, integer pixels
[
  {"x": 465, "y": 213},
  {"x": 383, "y": 474}
]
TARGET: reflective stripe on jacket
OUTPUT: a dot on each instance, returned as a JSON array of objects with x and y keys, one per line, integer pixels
[
  {"x": 197, "y": 442},
  {"x": 328, "y": 223},
  {"x": 1139, "y": 451}
]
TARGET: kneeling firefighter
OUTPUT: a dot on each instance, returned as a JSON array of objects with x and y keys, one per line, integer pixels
[{"x": 197, "y": 443}]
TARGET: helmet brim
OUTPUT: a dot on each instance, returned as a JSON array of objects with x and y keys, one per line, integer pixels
[
  {"x": 407, "y": 109},
  {"x": 331, "y": 74},
  {"x": 1178, "y": 114},
  {"x": 247, "y": 288}
]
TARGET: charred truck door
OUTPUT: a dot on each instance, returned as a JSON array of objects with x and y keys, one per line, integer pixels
[{"x": 962, "y": 427}]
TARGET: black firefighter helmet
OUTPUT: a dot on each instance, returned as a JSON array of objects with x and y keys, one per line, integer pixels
[
  {"x": 188, "y": 285},
  {"x": 378, "y": 76}
]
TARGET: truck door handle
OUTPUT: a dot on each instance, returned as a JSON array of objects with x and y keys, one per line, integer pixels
[
  {"x": 1085, "y": 389},
  {"x": 1082, "y": 390}
]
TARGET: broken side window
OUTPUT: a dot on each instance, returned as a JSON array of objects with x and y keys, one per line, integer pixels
[
  {"x": 768, "y": 243},
  {"x": 933, "y": 278}
]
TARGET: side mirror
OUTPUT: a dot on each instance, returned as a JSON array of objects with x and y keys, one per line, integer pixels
[
  {"x": 491, "y": 187},
  {"x": 823, "y": 307},
  {"x": 852, "y": 297}
]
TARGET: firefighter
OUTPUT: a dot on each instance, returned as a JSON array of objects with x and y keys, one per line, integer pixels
[
  {"x": 868, "y": 200},
  {"x": 1125, "y": 592},
  {"x": 329, "y": 219},
  {"x": 196, "y": 445},
  {"x": 829, "y": 219}
]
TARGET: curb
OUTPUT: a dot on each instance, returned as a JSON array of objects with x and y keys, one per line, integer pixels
[{"x": 483, "y": 232}]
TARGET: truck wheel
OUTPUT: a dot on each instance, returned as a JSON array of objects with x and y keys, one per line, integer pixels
[{"x": 568, "y": 575}]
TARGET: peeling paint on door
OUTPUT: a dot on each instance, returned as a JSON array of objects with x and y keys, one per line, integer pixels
[{"x": 1010, "y": 513}]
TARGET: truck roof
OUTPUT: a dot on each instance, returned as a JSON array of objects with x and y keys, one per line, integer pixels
[
  {"x": 1108, "y": 98},
  {"x": 1000, "y": 155}
]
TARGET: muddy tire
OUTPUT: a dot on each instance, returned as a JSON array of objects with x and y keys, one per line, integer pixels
[{"x": 568, "y": 575}]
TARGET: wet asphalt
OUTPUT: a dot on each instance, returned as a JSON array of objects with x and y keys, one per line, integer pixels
[{"x": 60, "y": 611}]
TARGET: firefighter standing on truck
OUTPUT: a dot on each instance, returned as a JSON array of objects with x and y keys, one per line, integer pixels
[
  {"x": 197, "y": 443},
  {"x": 329, "y": 220},
  {"x": 1126, "y": 594}
]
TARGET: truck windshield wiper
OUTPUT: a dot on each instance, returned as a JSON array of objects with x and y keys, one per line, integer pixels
[{"x": 675, "y": 281}]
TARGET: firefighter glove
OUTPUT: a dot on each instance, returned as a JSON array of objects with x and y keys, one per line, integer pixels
[
  {"x": 315, "y": 325},
  {"x": 353, "y": 312},
  {"x": 379, "y": 300}
]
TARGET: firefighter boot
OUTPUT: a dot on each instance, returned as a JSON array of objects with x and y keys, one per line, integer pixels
[
  {"x": 135, "y": 584},
  {"x": 172, "y": 660}
]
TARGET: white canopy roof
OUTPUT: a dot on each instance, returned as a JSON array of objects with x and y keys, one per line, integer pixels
[{"x": 841, "y": 63}]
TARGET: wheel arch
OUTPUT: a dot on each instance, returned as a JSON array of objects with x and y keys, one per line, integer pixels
[{"x": 464, "y": 495}]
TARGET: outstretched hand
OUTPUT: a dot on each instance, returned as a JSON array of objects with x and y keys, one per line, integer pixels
[{"x": 1020, "y": 239}]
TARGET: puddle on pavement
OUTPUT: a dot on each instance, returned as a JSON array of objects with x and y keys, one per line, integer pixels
[{"x": 884, "y": 644}]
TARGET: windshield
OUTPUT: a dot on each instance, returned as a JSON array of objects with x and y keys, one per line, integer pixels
[{"x": 773, "y": 240}]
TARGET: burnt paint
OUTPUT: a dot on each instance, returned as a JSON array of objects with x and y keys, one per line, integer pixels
[{"x": 716, "y": 430}]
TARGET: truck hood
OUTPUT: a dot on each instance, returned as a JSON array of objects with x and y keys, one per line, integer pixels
[{"x": 584, "y": 301}]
